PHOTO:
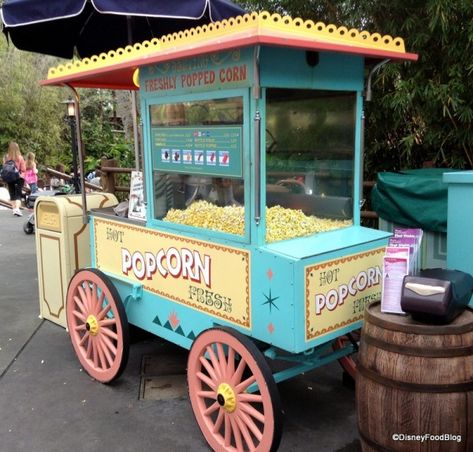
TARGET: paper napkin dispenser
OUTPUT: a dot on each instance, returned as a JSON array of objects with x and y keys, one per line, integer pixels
[{"x": 436, "y": 295}]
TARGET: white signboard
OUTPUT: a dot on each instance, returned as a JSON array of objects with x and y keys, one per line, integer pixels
[{"x": 137, "y": 206}]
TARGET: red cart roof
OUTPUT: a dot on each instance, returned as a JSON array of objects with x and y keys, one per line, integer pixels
[{"x": 115, "y": 69}]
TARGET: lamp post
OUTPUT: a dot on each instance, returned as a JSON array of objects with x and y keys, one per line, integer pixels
[{"x": 71, "y": 118}]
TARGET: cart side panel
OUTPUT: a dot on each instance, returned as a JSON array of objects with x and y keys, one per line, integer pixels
[
  {"x": 272, "y": 296},
  {"x": 162, "y": 317},
  {"x": 335, "y": 287},
  {"x": 165, "y": 279}
]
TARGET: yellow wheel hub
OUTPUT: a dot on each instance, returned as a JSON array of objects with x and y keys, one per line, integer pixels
[
  {"x": 92, "y": 325},
  {"x": 226, "y": 397}
]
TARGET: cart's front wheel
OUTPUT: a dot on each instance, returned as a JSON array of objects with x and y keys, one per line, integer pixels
[
  {"x": 97, "y": 325},
  {"x": 233, "y": 394}
]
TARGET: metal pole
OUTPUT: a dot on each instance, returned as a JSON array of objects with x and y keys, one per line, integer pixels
[
  {"x": 80, "y": 148},
  {"x": 75, "y": 180},
  {"x": 257, "y": 127},
  {"x": 136, "y": 138},
  {"x": 362, "y": 156},
  {"x": 368, "y": 94},
  {"x": 257, "y": 135}
]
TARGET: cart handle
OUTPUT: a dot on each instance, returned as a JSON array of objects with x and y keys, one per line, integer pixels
[{"x": 257, "y": 123}]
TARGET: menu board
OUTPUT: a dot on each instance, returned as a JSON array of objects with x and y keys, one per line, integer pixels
[{"x": 215, "y": 151}]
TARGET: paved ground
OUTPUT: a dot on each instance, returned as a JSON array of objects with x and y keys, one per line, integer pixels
[{"x": 48, "y": 404}]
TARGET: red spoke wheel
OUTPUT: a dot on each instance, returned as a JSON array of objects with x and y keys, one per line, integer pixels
[
  {"x": 223, "y": 364},
  {"x": 97, "y": 325},
  {"x": 348, "y": 362}
]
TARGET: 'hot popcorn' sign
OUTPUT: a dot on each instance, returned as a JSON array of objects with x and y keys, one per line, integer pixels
[{"x": 338, "y": 290}]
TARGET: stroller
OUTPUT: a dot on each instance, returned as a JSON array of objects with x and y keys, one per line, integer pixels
[{"x": 29, "y": 225}]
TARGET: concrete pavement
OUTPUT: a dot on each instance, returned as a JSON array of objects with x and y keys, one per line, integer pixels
[{"x": 48, "y": 404}]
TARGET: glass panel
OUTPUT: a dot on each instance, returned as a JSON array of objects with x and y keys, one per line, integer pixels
[
  {"x": 309, "y": 161},
  {"x": 197, "y": 164},
  {"x": 196, "y": 113}
]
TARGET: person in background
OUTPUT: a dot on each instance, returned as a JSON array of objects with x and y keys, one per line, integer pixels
[
  {"x": 57, "y": 181},
  {"x": 14, "y": 188},
  {"x": 90, "y": 175},
  {"x": 96, "y": 179},
  {"x": 31, "y": 175}
]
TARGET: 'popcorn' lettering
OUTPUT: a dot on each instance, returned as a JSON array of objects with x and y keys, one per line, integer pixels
[{"x": 178, "y": 263}]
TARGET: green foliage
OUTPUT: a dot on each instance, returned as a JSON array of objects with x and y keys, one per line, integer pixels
[
  {"x": 34, "y": 116},
  {"x": 340, "y": 12},
  {"x": 102, "y": 131},
  {"x": 29, "y": 114},
  {"x": 421, "y": 111}
]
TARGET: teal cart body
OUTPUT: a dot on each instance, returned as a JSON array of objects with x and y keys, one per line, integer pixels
[{"x": 252, "y": 135}]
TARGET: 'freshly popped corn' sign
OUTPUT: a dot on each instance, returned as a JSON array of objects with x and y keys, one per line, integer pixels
[
  {"x": 338, "y": 290},
  {"x": 191, "y": 272}
]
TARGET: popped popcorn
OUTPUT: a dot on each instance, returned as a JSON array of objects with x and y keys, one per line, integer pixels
[{"x": 282, "y": 223}]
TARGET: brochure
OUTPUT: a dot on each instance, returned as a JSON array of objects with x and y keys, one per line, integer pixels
[
  {"x": 394, "y": 270},
  {"x": 136, "y": 205},
  {"x": 411, "y": 244},
  {"x": 411, "y": 235},
  {"x": 402, "y": 258}
]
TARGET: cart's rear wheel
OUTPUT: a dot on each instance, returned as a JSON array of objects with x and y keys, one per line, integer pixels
[
  {"x": 97, "y": 325},
  {"x": 222, "y": 365},
  {"x": 348, "y": 363}
]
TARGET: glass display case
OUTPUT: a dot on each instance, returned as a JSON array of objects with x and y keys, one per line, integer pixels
[
  {"x": 197, "y": 165},
  {"x": 310, "y": 136}
]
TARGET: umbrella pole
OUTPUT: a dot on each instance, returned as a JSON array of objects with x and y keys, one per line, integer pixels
[
  {"x": 136, "y": 138},
  {"x": 139, "y": 157},
  {"x": 80, "y": 148},
  {"x": 133, "y": 102}
]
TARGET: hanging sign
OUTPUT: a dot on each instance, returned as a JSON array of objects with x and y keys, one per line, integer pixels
[
  {"x": 215, "y": 151},
  {"x": 136, "y": 204},
  {"x": 222, "y": 70}
]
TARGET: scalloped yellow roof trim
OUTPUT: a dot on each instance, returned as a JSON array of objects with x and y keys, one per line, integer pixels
[{"x": 241, "y": 25}]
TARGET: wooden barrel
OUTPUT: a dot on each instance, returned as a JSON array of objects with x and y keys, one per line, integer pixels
[{"x": 415, "y": 380}]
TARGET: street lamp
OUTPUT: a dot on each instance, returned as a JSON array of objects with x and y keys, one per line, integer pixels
[
  {"x": 71, "y": 108},
  {"x": 71, "y": 118}
]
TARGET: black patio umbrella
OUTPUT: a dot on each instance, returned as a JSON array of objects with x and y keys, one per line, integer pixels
[
  {"x": 65, "y": 28},
  {"x": 89, "y": 27}
]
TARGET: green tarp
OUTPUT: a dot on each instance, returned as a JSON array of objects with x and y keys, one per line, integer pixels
[{"x": 414, "y": 198}]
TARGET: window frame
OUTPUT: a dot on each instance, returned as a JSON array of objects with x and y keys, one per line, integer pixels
[
  {"x": 357, "y": 176},
  {"x": 246, "y": 174}
]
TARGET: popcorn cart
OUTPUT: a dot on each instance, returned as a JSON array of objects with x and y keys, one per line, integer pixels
[{"x": 252, "y": 248}]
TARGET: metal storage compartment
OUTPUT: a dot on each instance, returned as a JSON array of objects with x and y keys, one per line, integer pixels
[{"x": 62, "y": 247}]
